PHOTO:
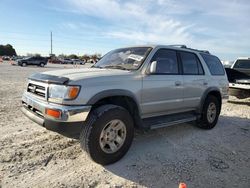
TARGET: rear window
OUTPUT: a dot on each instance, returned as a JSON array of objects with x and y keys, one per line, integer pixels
[
  {"x": 214, "y": 65},
  {"x": 242, "y": 64}
]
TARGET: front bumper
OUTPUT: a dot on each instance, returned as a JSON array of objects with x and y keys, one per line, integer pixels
[{"x": 70, "y": 122}]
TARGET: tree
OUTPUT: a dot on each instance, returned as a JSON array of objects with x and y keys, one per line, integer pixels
[
  {"x": 85, "y": 57},
  {"x": 7, "y": 50},
  {"x": 95, "y": 56},
  {"x": 73, "y": 56},
  {"x": 62, "y": 56}
]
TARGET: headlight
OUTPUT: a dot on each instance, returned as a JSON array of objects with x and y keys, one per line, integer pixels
[{"x": 62, "y": 92}]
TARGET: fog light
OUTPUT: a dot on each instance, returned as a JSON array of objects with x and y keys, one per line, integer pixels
[{"x": 53, "y": 113}]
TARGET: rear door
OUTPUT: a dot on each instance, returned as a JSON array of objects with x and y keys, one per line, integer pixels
[
  {"x": 163, "y": 91},
  {"x": 33, "y": 60},
  {"x": 194, "y": 80}
]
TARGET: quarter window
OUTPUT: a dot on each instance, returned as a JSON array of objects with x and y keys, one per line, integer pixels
[
  {"x": 166, "y": 62},
  {"x": 214, "y": 65},
  {"x": 191, "y": 64}
]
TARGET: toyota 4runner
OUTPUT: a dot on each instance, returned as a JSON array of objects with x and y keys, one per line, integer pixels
[{"x": 145, "y": 87}]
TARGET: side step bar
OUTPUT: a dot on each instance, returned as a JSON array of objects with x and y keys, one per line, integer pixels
[{"x": 168, "y": 120}]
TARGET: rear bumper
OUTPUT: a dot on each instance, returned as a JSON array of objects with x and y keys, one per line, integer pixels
[
  {"x": 239, "y": 92},
  {"x": 69, "y": 124}
]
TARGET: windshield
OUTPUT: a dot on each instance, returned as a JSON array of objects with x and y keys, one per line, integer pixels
[
  {"x": 125, "y": 58},
  {"x": 244, "y": 64}
]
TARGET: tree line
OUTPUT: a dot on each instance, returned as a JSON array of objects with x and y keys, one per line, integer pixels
[
  {"x": 82, "y": 57},
  {"x": 7, "y": 50}
]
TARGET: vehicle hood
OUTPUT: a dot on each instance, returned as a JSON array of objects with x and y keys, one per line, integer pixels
[{"x": 79, "y": 74}]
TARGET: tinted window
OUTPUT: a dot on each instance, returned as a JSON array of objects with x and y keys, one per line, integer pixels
[
  {"x": 214, "y": 65},
  {"x": 244, "y": 64},
  {"x": 191, "y": 64},
  {"x": 166, "y": 62}
]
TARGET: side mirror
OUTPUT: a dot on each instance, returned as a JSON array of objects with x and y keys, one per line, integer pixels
[{"x": 152, "y": 69}]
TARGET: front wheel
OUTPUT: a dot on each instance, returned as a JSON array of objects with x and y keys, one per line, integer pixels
[
  {"x": 107, "y": 134},
  {"x": 42, "y": 64},
  {"x": 210, "y": 113},
  {"x": 24, "y": 64}
]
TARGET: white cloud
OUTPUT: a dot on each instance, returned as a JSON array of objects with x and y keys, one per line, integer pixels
[
  {"x": 220, "y": 26},
  {"x": 136, "y": 19}
]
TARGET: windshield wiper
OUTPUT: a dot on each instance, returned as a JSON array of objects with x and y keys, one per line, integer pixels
[{"x": 116, "y": 67}]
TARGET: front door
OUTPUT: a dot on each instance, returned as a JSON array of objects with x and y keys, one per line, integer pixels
[{"x": 163, "y": 91}]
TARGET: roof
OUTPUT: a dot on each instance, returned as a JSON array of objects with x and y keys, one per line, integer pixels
[{"x": 174, "y": 46}]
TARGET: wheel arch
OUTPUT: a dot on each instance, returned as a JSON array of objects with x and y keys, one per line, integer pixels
[
  {"x": 210, "y": 91},
  {"x": 119, "y": 97}
]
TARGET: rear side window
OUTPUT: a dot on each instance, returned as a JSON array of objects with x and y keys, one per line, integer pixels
[
  {"x": 166, "y": 62},
  {"x": 191, "y": 64},
  {"x": 214, "y": 65},
  {"x": 242, "y": 64}
]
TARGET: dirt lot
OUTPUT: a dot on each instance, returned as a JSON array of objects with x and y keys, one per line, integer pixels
[{"x": 33, "y": 157}]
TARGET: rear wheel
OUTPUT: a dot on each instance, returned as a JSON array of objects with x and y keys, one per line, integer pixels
[
  {"x": 210, "y": 113},
  {"x": 107, "y": 134},
  {"x": 42, "y": 64}
]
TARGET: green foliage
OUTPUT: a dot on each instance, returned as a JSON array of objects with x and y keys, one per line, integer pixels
[
  {"x": 73, "y": 56},
  {"x": 7, "y": 50}
]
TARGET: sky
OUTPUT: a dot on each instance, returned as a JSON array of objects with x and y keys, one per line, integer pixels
[{"x": 98, "y": 26}]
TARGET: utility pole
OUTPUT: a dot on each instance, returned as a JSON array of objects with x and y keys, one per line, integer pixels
[{"x": 51, "y": 52}]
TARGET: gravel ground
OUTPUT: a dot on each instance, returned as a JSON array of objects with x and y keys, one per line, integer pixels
[{"x": 34, "y": 157}]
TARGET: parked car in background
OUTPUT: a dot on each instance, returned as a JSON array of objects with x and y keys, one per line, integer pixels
[
  {"x": 239, "y": 78},
  {"x": 16, "y": 58},
  {"x": 6, "y": 58},
  {"x": 66, "y": 61},
  {"x": 55, "y": 61},
  {"x": 78, "y": 61},
  {"x": 91, "y": 61},
  {"x": 36, "y": 60}
]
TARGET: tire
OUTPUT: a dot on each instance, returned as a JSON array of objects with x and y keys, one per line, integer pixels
[
  {"x": 92, "y": 136},
  {"x": 208, "y": 120},
  {"x": 42, "y": 64},
  {"x": 24, "y": 64}
]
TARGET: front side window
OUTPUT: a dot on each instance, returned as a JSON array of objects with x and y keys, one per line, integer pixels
[
  {"x": 166, "y": 62},
  {"x": 125, "y": 58},
  {"x": 214, "y": 65},
  {"x": 191, "y": 64}
]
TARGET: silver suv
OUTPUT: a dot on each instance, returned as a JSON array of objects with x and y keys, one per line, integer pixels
[{"x": 145, "y": 87}]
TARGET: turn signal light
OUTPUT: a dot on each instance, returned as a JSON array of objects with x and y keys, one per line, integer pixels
[
  {"x": 73, "y": 92},
  {"x": 53, "y": 113}
]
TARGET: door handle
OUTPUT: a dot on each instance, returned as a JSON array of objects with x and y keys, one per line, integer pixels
[
  {"x": 177, "y": 83},
  {"x": 205, "y": 83}
]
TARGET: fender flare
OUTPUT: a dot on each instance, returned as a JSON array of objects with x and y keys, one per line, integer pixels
[
  {"x": 204, "y": 96},
  {"x": 113, "y": 93}
]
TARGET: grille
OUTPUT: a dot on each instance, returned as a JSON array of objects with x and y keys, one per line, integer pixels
[{"x": 36, "y": 90}]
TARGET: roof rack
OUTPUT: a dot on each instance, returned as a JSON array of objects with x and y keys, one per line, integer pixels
[
  {"x": 184, "y": 46},
  {"x": 178, "y": 45},
  {"x": 204, "y": 51}
]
